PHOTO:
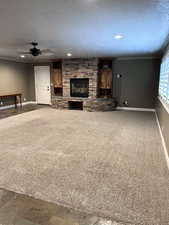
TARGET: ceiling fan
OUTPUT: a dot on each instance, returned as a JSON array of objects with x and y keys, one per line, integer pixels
[{"x": 34, "y": 51}]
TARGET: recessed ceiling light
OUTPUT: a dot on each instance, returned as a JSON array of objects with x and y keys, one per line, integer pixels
[
  {"x": 22, "y": 56},
  {"x": 118, "y": 36},
  {"x": 69, "y": 54}
]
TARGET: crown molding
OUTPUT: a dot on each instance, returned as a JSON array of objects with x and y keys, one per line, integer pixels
[{"x": 138, "y": 57}]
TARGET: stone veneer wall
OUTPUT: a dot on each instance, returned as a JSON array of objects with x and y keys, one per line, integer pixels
[{"x": 80, "y": 68}]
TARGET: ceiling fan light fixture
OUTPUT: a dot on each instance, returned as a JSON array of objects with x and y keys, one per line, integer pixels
[{"x": 35, "y": 51}]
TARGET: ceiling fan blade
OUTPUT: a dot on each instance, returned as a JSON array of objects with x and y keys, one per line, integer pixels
[
  {"x": 48, "y": 54},
  {"x": 47, "y": 51},
  {"x": 42, "y": 56},
  {"x": 25, "y": 53}
]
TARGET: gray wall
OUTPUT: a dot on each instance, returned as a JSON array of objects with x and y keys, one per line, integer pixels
[
  {"x": 31, "y": 82},
  {"x": 139, "y": 82},
  {"x": 15, "y": 77},
  {"x": 163, "y": 117}
]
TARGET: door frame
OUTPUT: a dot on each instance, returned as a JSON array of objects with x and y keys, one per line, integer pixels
[{"x": 35, "y": 78}]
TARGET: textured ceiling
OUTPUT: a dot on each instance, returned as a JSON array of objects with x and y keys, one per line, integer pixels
[{"x": 84, "y": 27}]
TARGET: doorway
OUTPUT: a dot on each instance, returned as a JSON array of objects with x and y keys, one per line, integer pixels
[{"x": 42, "y": 84}]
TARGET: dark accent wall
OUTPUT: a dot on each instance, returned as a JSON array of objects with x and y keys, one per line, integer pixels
[
  {"x": 163, "y": 117},
  {"x": 15, "y": 77},
  {"x": 31, "y": 82},
  {"x": 139, "y": 82}
]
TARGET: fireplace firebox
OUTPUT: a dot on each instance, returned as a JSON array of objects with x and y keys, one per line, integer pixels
[
  {"x": 79, "y": 87},
  {"x": 78, "y": 105}
]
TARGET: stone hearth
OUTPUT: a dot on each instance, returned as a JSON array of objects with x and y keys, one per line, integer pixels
[{"x": 89, "y": 104}]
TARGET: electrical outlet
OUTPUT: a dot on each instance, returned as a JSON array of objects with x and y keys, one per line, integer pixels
[
  {"x": 125, "y": 102},
  {"x": 119, "y": 76}
]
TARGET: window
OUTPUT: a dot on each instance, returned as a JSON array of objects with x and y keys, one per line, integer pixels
[{"x": 164, "y": 79}]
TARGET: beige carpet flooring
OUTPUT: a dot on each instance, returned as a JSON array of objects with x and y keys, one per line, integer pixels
[{"x": 110, "y": 164}]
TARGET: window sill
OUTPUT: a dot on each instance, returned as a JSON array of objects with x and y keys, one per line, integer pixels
[{"x": 165, "y": 105}]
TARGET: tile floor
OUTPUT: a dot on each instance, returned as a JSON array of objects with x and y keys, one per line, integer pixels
[{"x": 12, "y": 111}]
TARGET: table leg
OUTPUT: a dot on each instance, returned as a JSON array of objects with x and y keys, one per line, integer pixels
[
  {"x": 15, "y": 99},
  {"x": 20, "y": 101}
]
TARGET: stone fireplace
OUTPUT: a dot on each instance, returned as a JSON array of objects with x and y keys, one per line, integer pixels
[
  {"x": 80, "y": 69},
  {"x": 80, "y": 87}
]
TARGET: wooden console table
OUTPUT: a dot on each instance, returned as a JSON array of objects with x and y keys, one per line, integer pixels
[{"x": 14, "y": 96}]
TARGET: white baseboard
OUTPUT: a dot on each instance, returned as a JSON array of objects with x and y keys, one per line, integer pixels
[
  {"x": 136, "y": 109},
  {"x": 30, "y": 102},
  {"x": 163, "y": 141},
  {"x": 13, "y": 106}
]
